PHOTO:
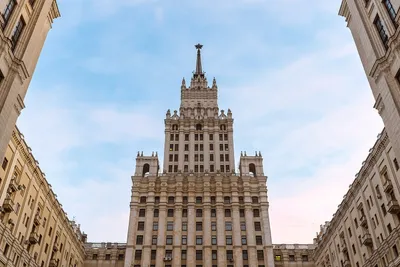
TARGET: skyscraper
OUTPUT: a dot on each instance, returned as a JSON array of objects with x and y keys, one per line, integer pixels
[
  {"x": 24, "y": 25},
  {"x": 199, "y": 211}
]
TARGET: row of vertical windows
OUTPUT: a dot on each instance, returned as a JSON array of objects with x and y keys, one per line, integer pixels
[
  {"x": 379, "y": 25},
  {"x": 10, "y": 7},
  {"x": 199, "y": 255},
  {"x": 199, "y": 200},
  {"x": 197, "y": 168},
  {"x": 228, "y": 213}
]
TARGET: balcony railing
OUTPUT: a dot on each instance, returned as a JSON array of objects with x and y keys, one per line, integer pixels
[
  {"x": 393, "y": 207},
  {"x": 53, "y": 263},
  {"x": 346, "y": 263},
  {"x": 366, "y": 239},
  {"x": 8, "y": 205},
  {"x": 344, "y": 247},
  {"x": 37, "y": 219},
  {"x": 387, "y": 186},
  {"x": 33, "y": 238},
  {"x": 13, "y": 185},
  {"x": 363, "y": 221}
]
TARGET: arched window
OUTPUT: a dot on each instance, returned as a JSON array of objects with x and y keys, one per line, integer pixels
[
  {"x": 146, "y": 169},
  {"x": 175, "y": 127},
  {"x": 198, "y": 127},
  {"x": 222, "y": 127},
  {"x": 252, "y": 169}
]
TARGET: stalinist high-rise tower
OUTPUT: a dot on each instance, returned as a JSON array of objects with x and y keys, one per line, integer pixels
[{"x": 199, "y": 211}]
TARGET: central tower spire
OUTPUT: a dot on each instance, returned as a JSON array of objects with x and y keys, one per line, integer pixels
[{"x": 199, "y": 69}]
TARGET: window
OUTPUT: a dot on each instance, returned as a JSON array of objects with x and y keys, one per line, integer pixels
[
  {"x": 291, "y": 258},
  {"x": 169, "y": 240},
  {"x": 244, "y": 240},
  {"x": 196, "y": 157},
  {"x": 354, "y": 249},
  {"x": 139, "y": 240},
  {"x": 384, "y": 209},
  {"x": 156, "y": 213},
  {"x": 140, "y": 226},
  {"x": 171, "y": 147},
  {"x": 221, "y": 157},
  {"x": 170, "y": 168},
  {"x": 170, "y": 226},
  {"x": 142, "y": 200},
  {"x": 155, "y": 226},
  {"x": 184, "y": 213},
  {"x": 228, "y": 226},
  {"x": 186, "y": 157},
  {"x": 227, "y": 200},
  {"x": 94, "y": 257},
  {"x": 8, "y": 11},
  {"x": 260, "y": 255},
  {"x": 154, "y": 240},
  {"x": 213, "y": 213},
  {"x": 196, "y": 147},
  {"x": 241, "y": 213},
  {"x": 17, "y": 33},
  {"x": 201, "y": 157},
  {"x": 199, "y": 200},
  {"x": 226, "y": 147},
  {"x": 5, "y": 160},
  {"x": 201, "y": 147},
  {"x": 185, "y": 200},
  {"x": 258, "y": 240},
  {"x": 226, "y": 157},
  {"x": 222, "y": 168},
  {"x": 381, "y": 30},
  {"x": 214, "y": 255},
  {"x": 254, "y": 200},
  {"x": 391, "y": 11},
  {"x": 186, "y": 147},
  {"x": 227, "y": 168},
  {"x": 186, "y": 137},
  {"x": 183, "y": 255},
  {"x": 171, "y": 200},
  {"x": 245, "y": 255},
  {"x": 241, "y": 200},
  {"x": 213, "y": 226},
  {"x": 138, "y": 255},
  {"x": 213, "y": 240},
  {"x": 184, "y": 226},
  {"x": 229, "y": 240},
  {"x": 256, "y": 213},
  {"x": 184, "y": 240},
  {"x": 396, "y": 164},
  {"x": 227, "y": 213},
  {"x": 243, "y": 226},
  {"x": 170, "y": 213},
  {"x": 176, "y": 157},
  {"x": 176, "y": 137},
  {"x": 168, "y": 253},
  {"x": 153, "y": 254},
  {"x": 199, "y": 240},
  {"x": 199, "y": 226},
  {"x": 395, "y": 251},
  {"x": 229, "y": 255},
  {"x": 196, "y": 168},
  {"x": 211, "y": 168},
  {"x": 304, "y": 257},
  {"x": 157, "y": 200},
  {"x": 278, "y": 257},
  {"x": 50, "y": 230},
  {"x": 257, "y": 226},
  {"x": 185, "y": 168},
  {"x": 221, "y": 147},
  {"x": 389, "y": 227},
  {"x": 211, "y": 147},
  {"x": 349, "y": 230},
  {"x": 142, "y": 212},
  {"x": 171, "y": 137},
  {"x": 199, "y": 213},
  {"x": 199, "y": 255}
]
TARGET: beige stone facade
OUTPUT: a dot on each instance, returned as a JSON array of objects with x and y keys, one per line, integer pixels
[
  {"x": 24, "y": 25},
  {"x": 35, "y": 230},
  {"x": 105, "y": 254},
  {"x": 199, "y": 211},
  {"x": 365, "y": 229},
  {"x": 374, "y": 27},
  {"x": 294, "y": 255}
]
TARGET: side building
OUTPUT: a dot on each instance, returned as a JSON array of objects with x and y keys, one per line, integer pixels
[
  {"x": 365, "y": 229},
  {"x": 24, "y": 25},
  {"x": 374, "y": 27},
  {"x": 113, "y": 255},
  {"x": 35, "y": 230}
]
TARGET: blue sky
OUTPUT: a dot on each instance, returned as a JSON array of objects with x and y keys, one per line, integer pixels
[{"x": 287, "y": 69}]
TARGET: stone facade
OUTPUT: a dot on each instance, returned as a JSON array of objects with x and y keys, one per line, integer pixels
[
  {"x": 374, "y": 26},
  {"x": 199, "y": 212},
  {"x": 24, "y": 25},
  {"x": 35, "y": 230},
  {"x": 294, "y": 255},
  {"x": 365, "y": 229}
]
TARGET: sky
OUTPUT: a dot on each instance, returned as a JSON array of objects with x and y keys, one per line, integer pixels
[{"x": 287, "y": 69}]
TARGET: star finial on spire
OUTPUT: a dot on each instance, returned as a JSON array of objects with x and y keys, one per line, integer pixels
[{"x": 199, "y": 69}]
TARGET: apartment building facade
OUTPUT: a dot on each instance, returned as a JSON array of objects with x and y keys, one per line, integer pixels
[
  {"x": 35, "y": 230},
  {"x": 24, "y": 25}
]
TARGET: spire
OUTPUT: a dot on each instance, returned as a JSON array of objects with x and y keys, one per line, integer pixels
[{"x": 199, "y": 69}]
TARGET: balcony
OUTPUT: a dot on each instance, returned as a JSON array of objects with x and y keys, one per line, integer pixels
[
  {"x": 36, "y": 219},
  {"x": 8, "y": 205},
  {"x": 366, "y": 239},
  {"x": 346, "y": 263},
  {"x": 387, "y": 186},
  {"x": 52, "y": 263},
  {"x": 13, "y": 185},
  {"x": 363, "y": 221},
  {"x": 393, "y": 207},
  {"x": 344, "y": 247},
  {"x": 33, "y": 238}
]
